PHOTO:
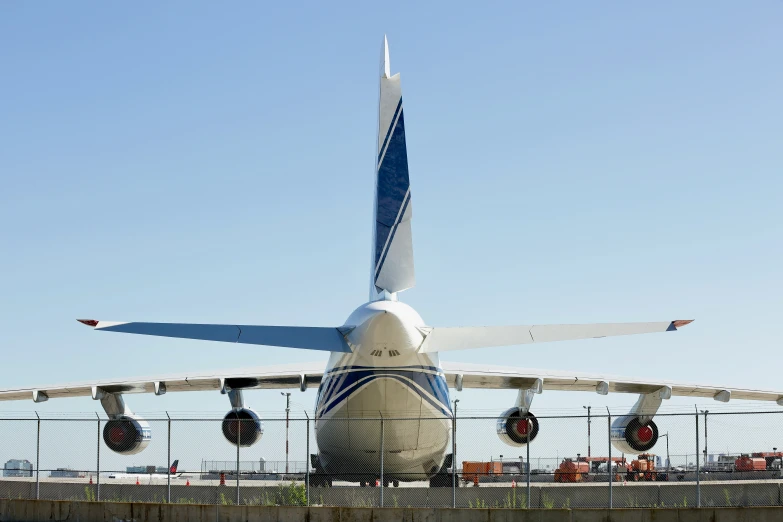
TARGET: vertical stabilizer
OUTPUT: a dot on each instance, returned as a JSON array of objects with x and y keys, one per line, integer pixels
[{"x": 392, "y": 267}]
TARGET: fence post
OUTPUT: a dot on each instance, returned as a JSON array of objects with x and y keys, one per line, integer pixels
[
  {"x": 527, "y": 448},
  {"x": 98, "y": 471},
  {"x": 380, "y": 482},
  {"x": 168, "y": 460},
  {"x": 609, "y": 463},
  {"x": 239, "y": 443},
  {"x": 698, "y": 468},
  {"x": 38, "y": 460},
  {"x": 454, "y": 456},
  {"x": 307, "y": 460}
]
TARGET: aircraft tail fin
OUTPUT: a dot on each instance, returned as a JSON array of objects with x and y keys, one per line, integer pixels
[{"x": 392, "y": 259}]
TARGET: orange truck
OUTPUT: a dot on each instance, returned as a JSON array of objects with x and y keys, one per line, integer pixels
[
  {"x": 475, "y": 471},
  {"x": 643, "y": 468},
  {"x": 580, "y": 470},
  {"x": 748, "y": 463},
  {"x": 572, "y": 471}
]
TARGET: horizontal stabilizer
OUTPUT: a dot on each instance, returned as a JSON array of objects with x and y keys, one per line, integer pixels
[
  {"x": 464, "y": 338},
  {"x": 305, "y": 337}
]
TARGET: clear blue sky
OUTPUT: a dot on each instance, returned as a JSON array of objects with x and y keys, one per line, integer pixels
[{"x": 195, "y": 162}]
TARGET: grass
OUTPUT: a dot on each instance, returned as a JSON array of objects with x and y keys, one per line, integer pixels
[{"x": 515, "y": 500}]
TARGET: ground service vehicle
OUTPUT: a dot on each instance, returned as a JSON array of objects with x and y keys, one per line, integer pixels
[
  {"x": 476, "y": 471},
  {"x": 643, "y": 469},
  {"x": 572, "y": 471},
  {"x": 587, "y": 468},
  {"x": 748, "y": 463}
]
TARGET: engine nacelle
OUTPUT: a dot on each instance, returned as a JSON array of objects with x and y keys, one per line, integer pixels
[
  {"x": 629, "y": 435},
  {"x": 515, "y": 429},
  {"x": 242, "y": 425},
  {"x": 127, "y": 434}
]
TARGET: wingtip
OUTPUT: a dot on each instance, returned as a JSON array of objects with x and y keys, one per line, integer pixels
[
  {"x": 679, "y": 323},
  {"x": 89, "y": 322}
]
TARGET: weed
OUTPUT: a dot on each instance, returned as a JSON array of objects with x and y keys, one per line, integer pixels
[
  {"x": 514, "y": 500},
  {"x": 480, "y": 504},
  {"x": 727, "y": 496}
]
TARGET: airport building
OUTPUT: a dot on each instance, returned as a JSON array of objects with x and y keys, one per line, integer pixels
[
  {"x": 147, "y": 469},
  {"x": 66, "y": 473},
  {"x": 18, "y": 468}
]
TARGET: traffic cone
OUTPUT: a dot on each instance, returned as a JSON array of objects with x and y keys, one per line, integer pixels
[
  {"x": 90, "y": 479},
  {"x": 137, "y": 481},
  {"x": 222, "y": 479},
  {"x": 377, "y": 482},
  {"x": 187, "y": 483}
]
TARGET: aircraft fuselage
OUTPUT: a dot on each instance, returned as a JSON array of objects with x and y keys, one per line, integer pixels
[{"x": 383, "y": 378}]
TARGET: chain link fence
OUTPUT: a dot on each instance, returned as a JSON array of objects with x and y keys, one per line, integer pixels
[{"x": 699, "y": 459}]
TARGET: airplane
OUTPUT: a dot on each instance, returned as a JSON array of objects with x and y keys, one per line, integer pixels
[
  {"x": 384, "y": 361},
  {"x": 151, "y": 476}
]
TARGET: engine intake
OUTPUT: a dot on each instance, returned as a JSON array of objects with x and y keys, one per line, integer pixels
[
  {"x": 515, "y": 429},
  {"x": 630, "y": 435},
  {"x": 244, "y": 426},
  {"x": 127, "y": 434}
]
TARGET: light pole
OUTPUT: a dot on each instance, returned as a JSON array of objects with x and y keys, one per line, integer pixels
[
  {"x": 668, "y": 462},
  {"x": 588, "y": 429},
  {"x": 705, "y": 412},
  {"x": 287, "y": 411}
]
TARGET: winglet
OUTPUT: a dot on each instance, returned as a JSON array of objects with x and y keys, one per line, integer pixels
[
  {"x": 678, "y": 324},
  {"x": 89, "y": 322}
]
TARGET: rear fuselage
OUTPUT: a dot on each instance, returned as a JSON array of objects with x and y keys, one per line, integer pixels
[{"x": 383, "y": 378}]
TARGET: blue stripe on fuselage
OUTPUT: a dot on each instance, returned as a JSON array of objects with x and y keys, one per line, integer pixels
[{"x": 340, "y": 383}]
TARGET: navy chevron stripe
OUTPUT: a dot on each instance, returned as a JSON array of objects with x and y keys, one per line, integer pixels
[
  {"x": 391, "y": 239},
  {"x": 392, "y": 196},
  {"x": 393, "y": 181},
  {"x": 388, "y": 131},
  {"x": 410, "y": 367},
  {"x": 345, "y": 393},
  {"x": 340, "y": 387}
]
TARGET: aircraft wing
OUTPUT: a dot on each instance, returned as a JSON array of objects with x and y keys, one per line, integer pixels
[
  {"x": 502, "y": 377},
  {"x": 306, "y": 375},
  {"x": 462, "y": 338},
  {"x": 307, "y": 337}
]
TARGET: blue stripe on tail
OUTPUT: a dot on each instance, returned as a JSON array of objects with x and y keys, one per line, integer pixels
[{"x": 393, "y": 185}]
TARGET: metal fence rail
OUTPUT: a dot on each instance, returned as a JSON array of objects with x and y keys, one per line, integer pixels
[{"x": 374, "y": 461}]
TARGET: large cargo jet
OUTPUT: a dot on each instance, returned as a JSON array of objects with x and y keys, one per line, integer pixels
[{"x": 385, "y": 360}]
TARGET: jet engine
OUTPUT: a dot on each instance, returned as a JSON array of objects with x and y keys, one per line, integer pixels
[
  {"x": 127, "y": 434},
  {"x": 516, "y": 429},
  {"x": 630, "y": 435},
  {"x": 242, "y": 425}
]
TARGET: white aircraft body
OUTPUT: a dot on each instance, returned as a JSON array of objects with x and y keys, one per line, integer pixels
[{"x": 385, "y": 361}]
